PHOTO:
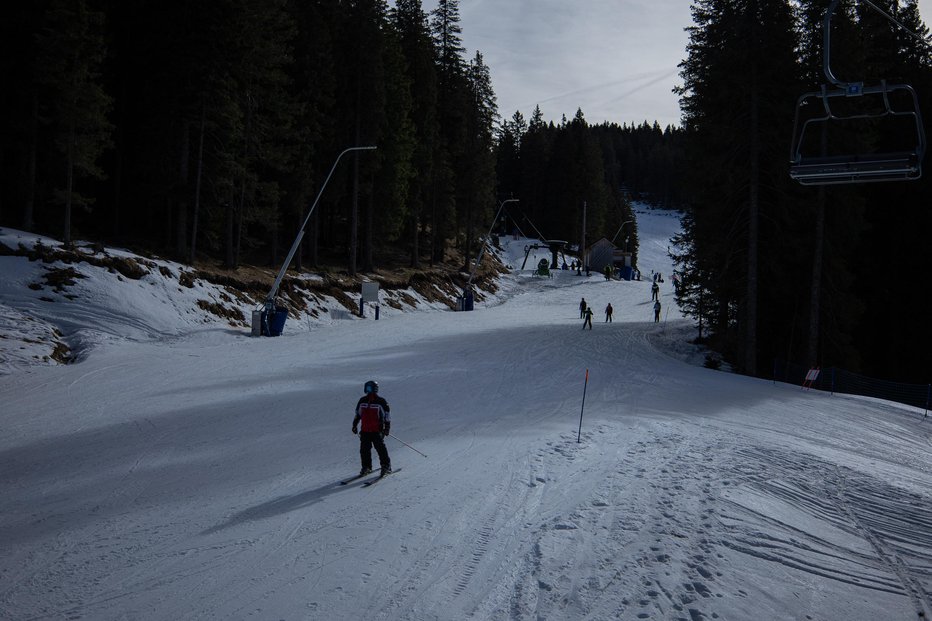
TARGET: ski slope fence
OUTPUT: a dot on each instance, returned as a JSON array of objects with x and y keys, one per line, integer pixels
[{"x": 832, "y": 379}]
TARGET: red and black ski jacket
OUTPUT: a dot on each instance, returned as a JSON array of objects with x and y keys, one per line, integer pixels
[{"x": 373, "y": 412}]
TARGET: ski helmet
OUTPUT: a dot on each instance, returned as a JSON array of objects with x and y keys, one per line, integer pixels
[{"x": 372, "y": 386}]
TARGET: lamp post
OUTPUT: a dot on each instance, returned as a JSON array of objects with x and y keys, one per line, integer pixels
[
  {"x": 487, "y": 236},
  {"x": 619, "y": 230},
  {"x": 270, "y": 298}
]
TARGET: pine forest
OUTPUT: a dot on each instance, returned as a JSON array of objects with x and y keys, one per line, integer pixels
[{"x": 204, "y": 131}]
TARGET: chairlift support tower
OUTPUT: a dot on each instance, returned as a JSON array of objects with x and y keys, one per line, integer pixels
[{"x": 555, "y": 246}]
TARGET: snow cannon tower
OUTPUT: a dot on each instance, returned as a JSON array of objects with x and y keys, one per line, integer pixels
[{"x": 556, "y": 246}]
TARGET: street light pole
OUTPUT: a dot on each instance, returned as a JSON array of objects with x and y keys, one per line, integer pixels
[
  {"x": 619, "y": 229},
  {"x": 487, "y": 236},
  {"x": 269, "y": 299}
]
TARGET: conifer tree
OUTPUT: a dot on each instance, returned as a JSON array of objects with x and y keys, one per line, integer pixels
[
  {"x": 314, "y": 86},
  {"x": 508, "y": 164},
  {"x": 836, "y": 220},
  {"x": 895, "y": 214},
  {"x": 478, "y": 179},
  {"x": 20, "y": 146},
  {"x": 451, "y": 105},
  {"x": 72, "y": 100},
  {"x": 536, "y": 151},
  {"x": 394, "y": 158},
  {"x": 260, "y": 47},
  {"x": 740, "y": 56},
  {"x": 413, "y": 30}
]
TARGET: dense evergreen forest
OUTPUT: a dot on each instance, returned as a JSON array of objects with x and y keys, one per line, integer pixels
[
  {"x": 204, "y": 132},
  {"x": 824, "y": 276}
]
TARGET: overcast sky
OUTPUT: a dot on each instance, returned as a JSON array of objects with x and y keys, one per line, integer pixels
[{"x": 615, "y": 59}]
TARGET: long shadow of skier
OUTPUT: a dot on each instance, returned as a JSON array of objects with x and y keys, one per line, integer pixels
[{"x": 281, "y": 505}]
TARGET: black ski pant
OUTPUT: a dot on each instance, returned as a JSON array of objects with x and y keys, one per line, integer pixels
[{"x": 368, "y": 439}]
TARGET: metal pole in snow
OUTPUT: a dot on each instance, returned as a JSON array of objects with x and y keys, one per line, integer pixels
[{"x": 585, "y": 386}]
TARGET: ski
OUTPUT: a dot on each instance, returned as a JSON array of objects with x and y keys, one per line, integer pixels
[
  {"x": 355, "y": 478},
  {"x": 380, "y": 477}
]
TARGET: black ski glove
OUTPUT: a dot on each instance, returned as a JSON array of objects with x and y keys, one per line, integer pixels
[
  {"x": 354, "y": 429},
  {"x": 386, "y": 428}
]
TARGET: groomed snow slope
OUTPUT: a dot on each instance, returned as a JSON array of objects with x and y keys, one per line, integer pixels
[{"x": 196, "y": 477}]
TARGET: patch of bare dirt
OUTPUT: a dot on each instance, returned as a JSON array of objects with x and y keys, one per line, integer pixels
[
  {"x": 59, "y": 278},
  {"x": 127, "y": 266},
  {"x": 249, "y": 285},
  {"x": 232, "y": 314}
]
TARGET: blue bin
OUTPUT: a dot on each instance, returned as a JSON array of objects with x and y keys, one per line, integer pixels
[
  {"x": 627, "y": 273},
  {"x": 274, "y": 322},
  {"x": 468, "y": 302}
]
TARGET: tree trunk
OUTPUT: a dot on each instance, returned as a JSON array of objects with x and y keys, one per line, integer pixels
[
  {"x": 274, "y": 249},
  {"x": 368, "y": 263},
  {"x": 228, "y": 236},
  {"x": 750, "y": 352},
  {"x": 169, "y": 238},
  {"x": 69, "y": 185},
  {"x": 299, "y": 255},
  {"x": 415, "y": 248},
  {"x": 354, "y": 213},
  {"x": 118, "y": 156},
  {"x": 238, "y": 233},
  {"x": 240, "y": 211},
  {"x": 469, "y": 236},
  {"x": 815, "y": 292},
  {"x": 184, "y": 165},
  {"x": 115, "y": 223},
  {"x": 582, "y": 240},
  {"x": 314, "y": 241},
  {"x": 30, "y": 203},
  {"x": 197, "y": 183},
  {"x": 433, "y": 228}
]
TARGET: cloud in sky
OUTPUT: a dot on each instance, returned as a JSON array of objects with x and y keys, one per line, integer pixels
[{"x": 617, "y": 60}]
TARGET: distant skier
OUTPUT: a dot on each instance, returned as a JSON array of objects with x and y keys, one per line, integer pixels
[
  {"x": 655, "y": 291},
  {"x": 373, "y": 412},
  {"x": 608, "y": 313},
  {"x": 656, "y": 311},
  {"x": 587, "y": 313},
  {"x": 582, "y": 308}
]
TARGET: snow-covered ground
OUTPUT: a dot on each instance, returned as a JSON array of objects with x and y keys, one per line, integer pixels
[{"x": 192, "y": 472}]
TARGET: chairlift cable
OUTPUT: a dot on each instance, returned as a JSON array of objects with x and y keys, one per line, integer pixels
[{"x": 898, "y": 23}]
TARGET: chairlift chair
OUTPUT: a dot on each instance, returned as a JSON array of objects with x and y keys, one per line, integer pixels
[{"x": 825, "y": 169}]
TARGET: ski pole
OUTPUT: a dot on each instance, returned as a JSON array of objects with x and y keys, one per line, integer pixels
[{"x": 408, "y": 445}]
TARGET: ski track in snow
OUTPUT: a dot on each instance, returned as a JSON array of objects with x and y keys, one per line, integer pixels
[{"x": 199, "y": 478}]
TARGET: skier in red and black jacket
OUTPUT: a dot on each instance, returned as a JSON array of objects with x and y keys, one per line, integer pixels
[{"x": 372, "y": 412}]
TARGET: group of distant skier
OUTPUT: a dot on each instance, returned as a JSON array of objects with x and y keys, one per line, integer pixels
[{"x": 585, "y": 311}]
